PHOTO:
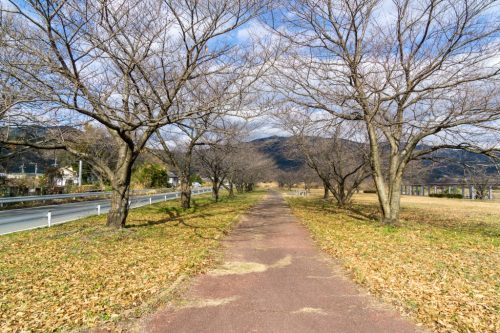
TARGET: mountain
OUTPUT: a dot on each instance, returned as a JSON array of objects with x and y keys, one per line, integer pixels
[
  {"x": 18, "y": 159},
  {"x": 449, "y": 164},
  {"x": 276, "y": 148},
  {"x": 448, "y": 168},
  {"x": 445, "y": 165}
]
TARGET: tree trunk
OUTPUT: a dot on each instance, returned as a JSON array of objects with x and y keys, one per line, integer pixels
[
  {"x": 231, "y": 189},
  {"x": 215, "y": 189},
  {"x": 343, "y": 199},
  {"x": 120, "y": 182},
  {"x": 185, "y": 191},
  {"x": 326, "y": 193},
  {"x": 390, "y": 215},
  {"x": 340, "y": 197},
  {"x": 118, "y": 213},
  {"x": 120, "y": 195},
  {"x": 389, "y": 197},
  {"x": 388, "y": 192}
]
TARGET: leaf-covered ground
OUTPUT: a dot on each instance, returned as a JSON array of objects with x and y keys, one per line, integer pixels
[
  {"x": 83, "y": 274},
  {"x": 441, "y": 265}
]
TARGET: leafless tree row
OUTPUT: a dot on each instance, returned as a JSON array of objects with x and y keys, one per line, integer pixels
[
  {"x": 328, "y": 148},
  {"x": 248, "y": 167},
  {"x": 108, "y": 75},
  {"x": 408, "y": 72},
  {"x": 109, "y": 79},
  {"x": 231, "y": 163}
]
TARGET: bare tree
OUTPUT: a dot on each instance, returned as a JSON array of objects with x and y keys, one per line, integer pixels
[
  {"x": 308, "y": 177},
  {"x": 479, "y": 176},
  {"x": 12, "y": 92},
  {"x": 213, "y": 163},
  {"x": 328, "y": 148},
  {"x": 120, "y": 65},
  {"x": 288, "y": 178},
  {"x": 180, "y": 156},
  {"x": 478, "y": 172},
  {"x": 418, "y": 172},
  {"x": 215, "y": 159},
  {"x": 210, "y": 101},
  {"x": 411, "y": 72},
  {"x": 248, "y": 167}
]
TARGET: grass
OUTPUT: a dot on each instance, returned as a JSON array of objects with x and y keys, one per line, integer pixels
[
  {"x": 440, "y": 266},
  {"x": 82, "y": 274}
]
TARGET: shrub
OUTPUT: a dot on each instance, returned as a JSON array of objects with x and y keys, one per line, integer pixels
[
  {"x": 446, "y": 195},
  {"x": 150, "y": 176}
]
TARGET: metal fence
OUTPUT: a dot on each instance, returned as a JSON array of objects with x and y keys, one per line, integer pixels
[{"x": 466, "y": 191}]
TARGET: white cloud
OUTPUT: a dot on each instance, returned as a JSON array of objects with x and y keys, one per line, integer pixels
[{"x": 254, "y": 29}]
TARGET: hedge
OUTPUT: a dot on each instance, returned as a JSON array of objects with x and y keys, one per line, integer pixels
[{"x": 446, "y": 195}]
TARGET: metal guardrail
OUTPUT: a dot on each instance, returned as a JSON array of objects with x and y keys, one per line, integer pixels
[
  {"x": 52, "y": 197},
  {"x": 46, "y": 216},
  {"x": 46, "y": 197}
]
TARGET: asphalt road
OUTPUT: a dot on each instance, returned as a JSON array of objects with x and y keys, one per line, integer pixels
[{"x": 36, "y": 217}]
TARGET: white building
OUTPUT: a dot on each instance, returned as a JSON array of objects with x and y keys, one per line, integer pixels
[
  {"x": 66, "y": 176},
  {"x": 172, "y": 179}
]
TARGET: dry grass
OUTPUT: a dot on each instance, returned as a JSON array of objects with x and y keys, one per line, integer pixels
[
  {"x": 440, "y": 266},
  {"x": 83, "y": 274}
]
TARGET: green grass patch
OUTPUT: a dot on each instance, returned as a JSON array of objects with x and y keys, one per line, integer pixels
[
  {"x": 440, "y": 266},
  {"x": 83, "y": 274}
]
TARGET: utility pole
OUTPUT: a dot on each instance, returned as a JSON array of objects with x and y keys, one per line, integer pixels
[
  {"x": 36, "y": 168},
  {"x": 80, "y": 173}
]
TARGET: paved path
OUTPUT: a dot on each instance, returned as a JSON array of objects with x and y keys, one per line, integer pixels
[{"x": 275, "y": 280}]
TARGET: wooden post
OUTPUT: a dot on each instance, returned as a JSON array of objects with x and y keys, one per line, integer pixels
[
  {"x": 463, "y": 191},
  {"x": 423, "y": 190}
]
